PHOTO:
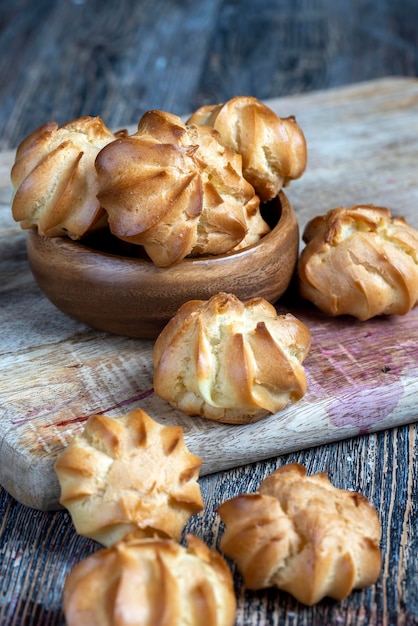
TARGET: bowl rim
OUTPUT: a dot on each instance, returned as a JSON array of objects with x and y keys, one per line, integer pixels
[
  {"x": 286, "y": 215},
  {"x": 132, "y": 296}
]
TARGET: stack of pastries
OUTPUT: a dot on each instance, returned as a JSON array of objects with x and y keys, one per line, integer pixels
[{"x": 175, "y": 189}]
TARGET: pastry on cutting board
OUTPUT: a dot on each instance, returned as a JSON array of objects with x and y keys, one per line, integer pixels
[
  {"x": 54, "y": 180},
  {"x": 273, "y": 149},
  {"x": 231, "y": 361},
  {"x": 303, "y": 535},
  {"x": 361, "y": 262},
  {"x": 177, "y": 191},
  {"x": 129, "y": 475},
  {"x": 151, "y": 582}
]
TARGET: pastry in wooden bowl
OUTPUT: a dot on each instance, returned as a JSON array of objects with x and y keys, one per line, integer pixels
[
  {"x": 129, "y": 476},
  {"x": 231, "y": 361},
  {"x": 107, "y": 284},
  {"x": 361, "y": 262},
  {"x": 151, "y": 582},
  {"x": 273, "y": 149},
  {"x": 303, "y": 535},
  {"x": 54, "y": 180},
  {"x": 177, "y": 191}
]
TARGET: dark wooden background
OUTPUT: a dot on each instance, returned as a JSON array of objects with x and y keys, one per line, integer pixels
[{"x": 63, "y": 59}]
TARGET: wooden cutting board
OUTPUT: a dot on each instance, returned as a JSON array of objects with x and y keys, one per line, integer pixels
[{"x": 362, "y": 376}]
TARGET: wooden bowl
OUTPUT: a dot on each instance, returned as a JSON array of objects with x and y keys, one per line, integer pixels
[{"x": 130, "y": 296}]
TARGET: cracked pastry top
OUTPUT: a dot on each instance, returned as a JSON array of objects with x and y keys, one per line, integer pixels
[
  {"x": 231, "y": 361},
  {"x": 273, "y": 149},
  {"x": 54, "y": 180},
  {"x": 361, "y": 262},
  {"x": 303, "y": 535},
  {"x": 129, "y": 475},
  {"x": 152, "y": 582},
  {"x": 177, "y": 191}
]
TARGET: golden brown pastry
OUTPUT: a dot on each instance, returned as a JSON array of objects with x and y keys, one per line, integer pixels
[
  {"x": 54, "y": 178},
  {"x": 152, "y": 582},
  {"x": 361, "y": 262},
  {"x": 177, "y": 191},
  {"x": 231, "y": 361},
  {"x": 303, "y": 535},
  {"x": 273, "y": 149},
  {"x": 129, "y": 476}
]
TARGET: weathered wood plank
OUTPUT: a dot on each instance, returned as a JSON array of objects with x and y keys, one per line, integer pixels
[
  {"x": 39, "y": 549},
  {"x": 357, "y": 381}
]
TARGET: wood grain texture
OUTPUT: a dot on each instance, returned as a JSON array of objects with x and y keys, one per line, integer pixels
[
  {"x": 61, "y": 60},
  {"x": 98, "y": 57},
  {"x": 362, "y": 376},
  {"x": 39, "y": 549}
]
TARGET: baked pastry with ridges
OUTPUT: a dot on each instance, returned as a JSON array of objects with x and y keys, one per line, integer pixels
[
  {"x": 231, "y": 361},
  {"x": 54, "y": 179},
  {"x": 273, "y": 149},
  {"x": 152, "y": 582},
  {"x": 177, "y": 191},
  {"x": 361, "y": 262},
  {"x": 303, "y": 535},
  {"x": 129, "y": 475}
]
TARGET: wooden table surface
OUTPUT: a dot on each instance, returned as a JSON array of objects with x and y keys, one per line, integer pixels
[{"x": 61, "y": 60}]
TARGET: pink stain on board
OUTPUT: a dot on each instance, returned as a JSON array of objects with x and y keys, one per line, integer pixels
[
  {"x": 364, "y": 406},
  {"x": 357, "y": 369}
]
